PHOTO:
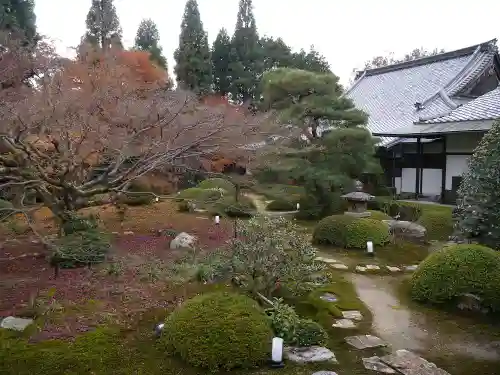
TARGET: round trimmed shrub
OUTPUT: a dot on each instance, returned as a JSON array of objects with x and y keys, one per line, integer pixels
[
  {"x": 244, "y": 207},
  {"x": 219, "y": 331},
  {"x": 457, "y": 270},
  {"x": 281, "y": 205},
  {"x": 332, "y": 230},
  {"x": 217, "y": 183},
  {"x": 379, "y": 215},
  {"x": 310, "y": 333},
  {"x": 202, "y": 195},
  {"x": 439, "y": 224},
  {"x": 363, "y": 230}
]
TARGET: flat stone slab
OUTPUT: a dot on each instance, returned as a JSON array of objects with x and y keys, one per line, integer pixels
[
  {"x": 408, "y": 363},
  {"x": 393, "y": 269},
  {"x": 365, "y": 341},
  {"x": 16, "y": 324},
  {"x": 360, "y": 269},
  {"x": 310, "y": 354},
  {"x": 372, "y": 267},
  {"x": 326, "y": 260},
  {"x": 352, "y": 314},
  {"x": 325, "y": 373},
  {"x": 411, "y": 268},
  {"x": 339, "y": 266},
  {"x": 329, "y": 297},
  {"x": 375, "y": 364},
  {"x": 344, "y": 323}
]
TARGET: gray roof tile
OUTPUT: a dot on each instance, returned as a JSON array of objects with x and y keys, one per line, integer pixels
[{"x": 389, "y": 94}]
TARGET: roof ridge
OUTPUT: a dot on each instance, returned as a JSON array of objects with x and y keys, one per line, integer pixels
[
  {"x": 429, "y": 59},
  {"x": 356, "y": 82}
]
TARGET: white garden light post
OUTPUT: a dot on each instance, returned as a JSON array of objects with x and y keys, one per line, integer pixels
[
  {"x": 298, "y": 206},
  {"x": 369, "y": 248},
  {"x": 277, "y": 352},
  {"x": 217, "y": 219}
]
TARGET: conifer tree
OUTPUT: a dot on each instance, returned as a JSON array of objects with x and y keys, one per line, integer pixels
[
  {"x": 148, "y": 39},
  {"x": 103, "y": 26},
  {"x": 192, "y": 57},
  {"x": 478, "y": 206},
  {"x": 221, "y": 54},
  {"x": 18, "y": 16},
  {"x": 246, "y": 57}
]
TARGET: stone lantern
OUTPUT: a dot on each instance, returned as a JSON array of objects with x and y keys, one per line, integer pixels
[{"x": 358, "y": 201}]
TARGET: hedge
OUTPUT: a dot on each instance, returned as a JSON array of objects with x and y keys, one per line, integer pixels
[
  {"x": 201, "y": 195},
  {"x": 457, "y": 270},
  {"x": 219, "y": 331},
  {"x": 378, "y": 215},
  {"x": 332, "y": 230},
  {"x": 281, "y": 205},
  {"x": 217, "y": 183},
  {"x": 227, "y": 206},
  {"x": 439, "y": 224}
]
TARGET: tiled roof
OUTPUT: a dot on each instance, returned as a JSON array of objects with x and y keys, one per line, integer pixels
[
  {"x": 486, "y": 107},
  {"x": 389, "y": 94}
]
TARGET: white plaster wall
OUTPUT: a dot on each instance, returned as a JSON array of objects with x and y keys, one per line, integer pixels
[
  {"x": 456, "y": 165},
  {"x": 397, "y": 184},
  {"x": 465, "y": 142},
  {"x": 431, "y": 181}
]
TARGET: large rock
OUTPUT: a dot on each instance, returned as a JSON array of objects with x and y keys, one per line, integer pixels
[
  {"x": 408, "y": 363},
  {"x": 407, "y": 230},
  {"x": 365, "y": 341},
  {"x": 16, "y": 324},
  {"x": 310, "y": 354},
  {"x": 183, "y": 241},
  {"x": 375, "y": 364}
]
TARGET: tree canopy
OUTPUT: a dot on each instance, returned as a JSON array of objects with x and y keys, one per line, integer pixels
[
  {"x": 18, "y": 16},
  {"x": 103, "y": 26},
  {"x": 221, "y": 54},
  {"x": 384, "y": 60},
  {"x": 193, "y": 64},
  {"x": 148, "y": 39}
]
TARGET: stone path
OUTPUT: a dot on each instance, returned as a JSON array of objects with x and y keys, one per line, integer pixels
[{"x": 335, "y": 264}]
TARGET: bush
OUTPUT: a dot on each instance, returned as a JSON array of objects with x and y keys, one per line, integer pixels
[
  {"x": 284, "y": 321},
  {"x": 200, "y": 195},
  {"x": 379, "y": 215},
  {"x": 311, "y": 208},
  {"x": 456, "y": 270},
  {"x": 5, "y": 205},
  {"x": 80, "y": 224},
  {"x": 310, "y": 333},
  {"x": 439, "y": 224},
  {"x": 363, "y": 230},
  {"x": 281, "y": 205},
  {"x": 219, "y": 330},
  {"x": 217, "y": 183},
  {"x": 243, "y": 208},
  {"x": 332, "y": 230}
]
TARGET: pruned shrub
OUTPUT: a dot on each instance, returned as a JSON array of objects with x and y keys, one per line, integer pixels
[
  {"x": 243, "y": 208},
  {"x": 219, "y": 331},
  {"x": 281, "y": 205},
  {"x": 200, "y": 195},
  {"x": 310, "y": 333},
  {"x": 332, "y": 230},
  {"x": 378, "y": 215},
  {"x": 217, "y": 183},
  {"x": 313, "y": 207},
  {"x": 284, "y": 321},
  {"x": 363, "y": 230},
  {"x": 80, "y": 224},
  {"x": 439, "y": 224},
  {"x": 457, "y": 270}
]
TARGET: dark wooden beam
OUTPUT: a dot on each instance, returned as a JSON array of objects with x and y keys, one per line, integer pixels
[
  {"x": 418, "y": 167},
  {"x": 443, "y": 171}
]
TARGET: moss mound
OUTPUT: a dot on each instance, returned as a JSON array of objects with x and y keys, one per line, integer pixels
[
  {"x": 227, "y": 206},
  {"x": 220, "y": 330},
  {"x": 350, "y": 232},
  {"x": 281, "y": 205},
  {"x": 456, "y": 270},
  {"x": 200, "y": 195},
  {"x": 217, "y": 183},
  {"x": 439, "y": 224},
  {"x": 379, "y": 215}
]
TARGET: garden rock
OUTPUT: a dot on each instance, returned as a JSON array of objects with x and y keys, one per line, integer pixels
[
  {"x": 372, "y": 267},
  {"x": 310, "y": 354},
  {"x": 365, "y": 341},
  {"x": 352, "y": 314},
  {"x": 407, "y": 230},
  {"x": 16, "y": 324},
  {"x": 325, "y": 373},
  {"x": 471, "y": 302},
  {"x": 360, "y": 268},
  {"x": 325, "y": 260},
  {"x": 182, "y": 241},
  {"x": 393, "y": 269},
  {"x": 375, "y": 364},
  {"x": 411, "y": 268},
  {"x": 328, "y": 297},
  {"x": 408, "y": 363},
  {"x": 344, "y": 323},
  {"x": 339, "y": 266}
]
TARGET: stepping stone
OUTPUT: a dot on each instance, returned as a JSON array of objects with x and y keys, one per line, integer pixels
[
  {"x": 411, "y": 268},
  {"x": 352, "y": 314},
  {"x": 325, "y": 260},
  {"x": 329, "y": 297},
  {"x": 393, "y": 269},
  {"x": 310, "y": 354},
  {"x": 372, "y": 267},
  {"x": 365, "y": 341},
  {"x": 360, "y": 268},
  {"x": 376, "y": 364},
  {"x": 325, "y": 373},
  {"x": 344, "y": 323},
  {"x": 408, "y": 363},
  {"x": 340, "y": 266},
  {"x": 16, "y": 324}
]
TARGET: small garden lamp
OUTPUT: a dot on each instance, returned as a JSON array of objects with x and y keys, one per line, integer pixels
[
  {"x": 159, "y": 329},
  {"x": 298, "y": 206},
  {"x": 217, "y": 219},
  {"x": 369, "y": 248},
  {"x": 277, "y": 353}
]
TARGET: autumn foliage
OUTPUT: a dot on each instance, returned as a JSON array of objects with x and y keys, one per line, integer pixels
[{"x": 141, "y": 65}]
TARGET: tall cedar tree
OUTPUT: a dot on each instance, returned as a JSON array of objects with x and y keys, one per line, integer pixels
[
  {"x": 246, "y": 62},
  {"x": 192, "y": 57},
  {"x": 103, "y": 26},
  {"x": 221, "y": 54},
  {"x": 148, "y": 39},
  {"x": 477, "y": 213},
  {"x": 18, "y": 16}
]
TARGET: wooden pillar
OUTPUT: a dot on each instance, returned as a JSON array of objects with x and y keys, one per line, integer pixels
[
  {"x": 443, "y": 170},
  {"x": 418, "y": 165}
]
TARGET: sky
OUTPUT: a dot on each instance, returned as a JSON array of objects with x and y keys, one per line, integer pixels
[{"x": 346, "y": 32}]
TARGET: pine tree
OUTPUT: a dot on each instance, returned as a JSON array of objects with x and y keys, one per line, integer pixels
[
  {"x": 246, "y": 59},
  {"x": 478, "y": 206},
  {"x": 193, "y": 64},
  {"x": 19, "y": 16},
  {"x": 221, "y": 54},
  {"x": 103, "y": 26},
  {"x": 148, "y": 39}
]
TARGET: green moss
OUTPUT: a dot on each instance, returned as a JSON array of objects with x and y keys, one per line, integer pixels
[
  {"x": 227, "y": 206},
  {"x": 217, "y": 183},
  {"x": 199, "y": 195},
  {"x": 378, "y": 215}
]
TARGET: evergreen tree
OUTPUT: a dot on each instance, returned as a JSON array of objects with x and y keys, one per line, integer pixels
[
  {"x": 103, "y": 26},
  {"x": 275, "y": 54},
  {"x": 311, "y": 61},
  {"x": 221, "y": 54},
  {"x": 19, "y": 16},
  {"x": 246, "y": 58},
  {"x": 148, "y": 39},
  {"x": 478, "y": 206},
  {"x": 193, "y": 64}
]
